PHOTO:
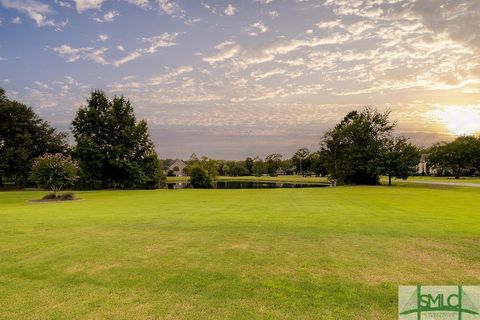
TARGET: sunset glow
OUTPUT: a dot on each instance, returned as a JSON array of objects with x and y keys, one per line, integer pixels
[
  {"x": 234, "y": 78},
  {"x": 458, "y": 120}
]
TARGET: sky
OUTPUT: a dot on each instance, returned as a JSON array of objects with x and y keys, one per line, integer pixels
[{"x": 230, "y": 79}]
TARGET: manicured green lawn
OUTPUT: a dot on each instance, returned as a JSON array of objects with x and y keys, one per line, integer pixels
[{"x": 320, "y": 253}]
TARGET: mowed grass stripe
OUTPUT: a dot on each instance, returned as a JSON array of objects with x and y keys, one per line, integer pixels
[{"x": 329, "y": 253}]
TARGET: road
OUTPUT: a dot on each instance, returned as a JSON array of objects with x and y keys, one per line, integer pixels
[{"x": 444, "y": 183}]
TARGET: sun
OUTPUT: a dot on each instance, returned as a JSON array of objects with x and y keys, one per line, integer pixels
[{"x": 459, "y": 120}]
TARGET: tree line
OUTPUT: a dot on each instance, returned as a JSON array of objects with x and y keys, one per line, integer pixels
[
  {"x": 113, "y": 149},
  {"x": 358, "y": 150}
]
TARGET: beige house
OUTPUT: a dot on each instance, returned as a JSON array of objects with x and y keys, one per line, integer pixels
[
  {"x": 424, "y": 168},
  {"x": 179, "y": 168}
]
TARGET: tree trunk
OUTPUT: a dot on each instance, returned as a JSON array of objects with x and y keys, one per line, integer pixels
[
  {"x": 457, "y": 174},
  {"x": 389, "y": 180}
]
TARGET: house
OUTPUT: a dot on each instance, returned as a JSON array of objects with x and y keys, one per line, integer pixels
[
  {"x": 424, "y": 168},
  {"x": 178, "y": 167}
]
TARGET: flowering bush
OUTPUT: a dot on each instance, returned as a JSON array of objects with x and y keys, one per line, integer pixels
[{"x": 54, "y": 172}]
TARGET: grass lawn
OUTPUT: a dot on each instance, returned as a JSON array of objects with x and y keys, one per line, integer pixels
[{"x": 320, "y": 253}]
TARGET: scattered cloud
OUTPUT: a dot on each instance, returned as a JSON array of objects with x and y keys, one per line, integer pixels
[
  {"x": 273, "y": 13},
  {"x": 83, "y": 5},
  {"x": 230, "y": 10},
  {"x": 86, "y": 53},
  {"x": 107, "y": 17},
  {"x": 102, "y": 37},
  {"x": 169, "y": 77},
  {"x": 226, "y": 50},
  {"x": 35, "y": 10},
  {"x": 145, "y": 4},
  {"x": 161, "y": 41},
  {"x": 191, "y": 21},
  {"x": 256, "y": 28},
  {"x": 63, "y": 3},
  {"x": 171, "y": 8},
  {"x": 17, "y": 20},
  {"x": 259, "y": 75},
  {"x": 301, "y": 72}
]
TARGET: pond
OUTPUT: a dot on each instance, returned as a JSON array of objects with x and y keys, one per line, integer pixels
[{"x": 251, "y": 185}]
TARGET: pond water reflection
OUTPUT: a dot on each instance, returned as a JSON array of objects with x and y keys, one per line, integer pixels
[{"x": 251, "y": 185}]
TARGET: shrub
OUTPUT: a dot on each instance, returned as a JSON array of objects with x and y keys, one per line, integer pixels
[
  {"x": 50, "y": 196},
  {"x": 67, "y": 196},
  {"x": 63, "y": 196},
  {"x": 54, "y": 172},
  {"x": 200, "y": 178}
]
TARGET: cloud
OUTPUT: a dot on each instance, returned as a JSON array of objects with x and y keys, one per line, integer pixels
[
  {"x": 171, "y": 8},
  {"x": 260, "y": 75},
  {"x": 86, "y": 53},
  {"x": 102, "y": 37},
  {"x": 35, "y": 10},
  {"x": 170, "y": 77},
  {"x": 191, "y": 21},
  {"x": 120, "y": 48},
  {"x": 210, "y": 8},
  {"x": 63, "y": 4},
  {"x": 281, "y": 46},
  {"x": 17, "y": 20},
  {"x": 161, "y": 41},
  {"x": 129, "y": 57},
  {"x": 230, "y": 10},
  {"x": 83, "y": 5},
  {"x": 459, "y": 20},
  {"x": 273, "y": 13},
  {"x": 145, "y": 4},
  {"x": 227, "y": 50},
  {"x": 108, "y": 17},
  {"x": 256, "y": 28},
  {"x": 330, "y": 24}
]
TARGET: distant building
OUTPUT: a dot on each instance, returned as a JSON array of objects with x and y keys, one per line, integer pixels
[
  {"x": 424, "y": 168},
  {"x": 178, "y": 167}
]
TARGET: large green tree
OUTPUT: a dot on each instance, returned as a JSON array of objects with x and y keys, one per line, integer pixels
[
  {"x": 113, "y": 148},
  {"x": 400, "y": 158},
  {"x": 273, "y": 162},
  {"x": 317, "y": 163},
  {"x": 23, "y": 137},
  {"x": 354, "y": 147},
  {"x": 458, "y": 156},
  {"x": 301, "y": 160}
]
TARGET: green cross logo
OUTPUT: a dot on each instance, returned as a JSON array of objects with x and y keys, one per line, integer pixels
[{"x": 439, "y": 302}]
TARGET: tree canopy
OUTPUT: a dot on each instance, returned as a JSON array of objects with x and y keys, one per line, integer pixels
[
  {"x": 113, "y": 148},
  {"x": 23, "y": 137},
  {"x": 273, "y": 162},
  {"x": 400, "y": 158},
  {"x": 456, "y": 157},
  {"x": 361, "y": 148}
]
